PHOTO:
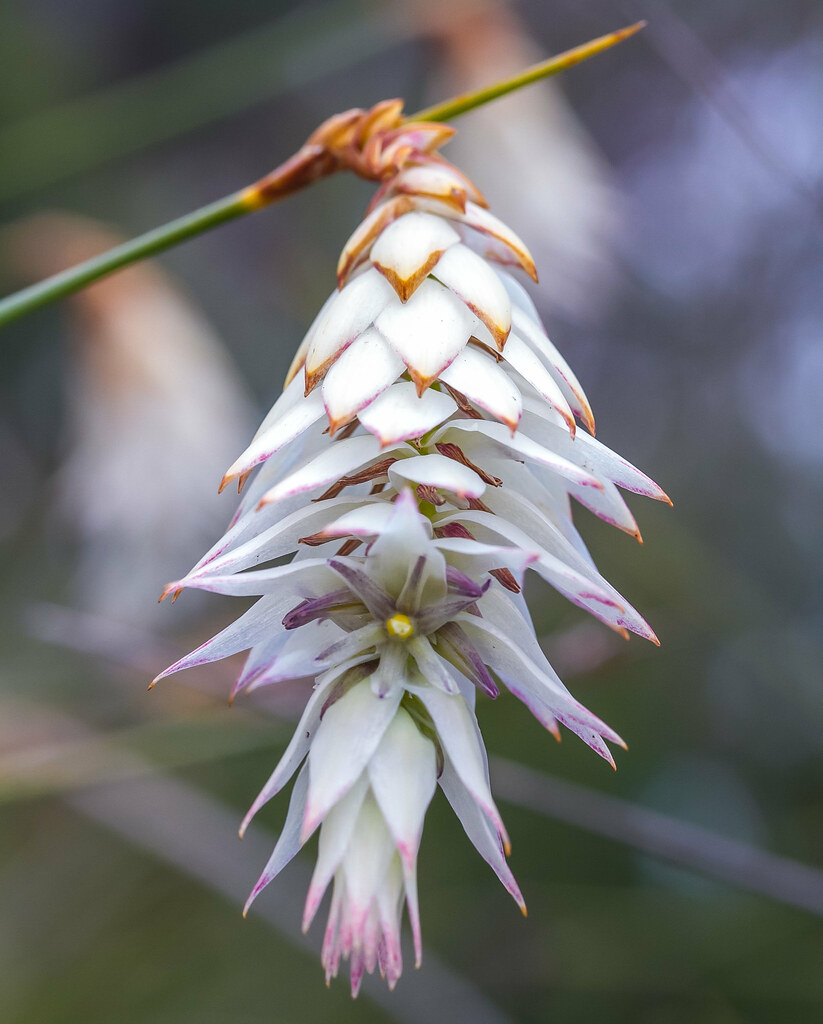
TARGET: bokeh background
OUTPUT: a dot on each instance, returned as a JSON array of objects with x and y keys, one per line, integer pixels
[{"x": 671, "y": 192}]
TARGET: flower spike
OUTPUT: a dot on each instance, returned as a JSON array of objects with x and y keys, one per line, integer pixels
[{"x": 423, "y": 455}]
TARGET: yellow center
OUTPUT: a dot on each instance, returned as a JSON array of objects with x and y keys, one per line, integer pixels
[{"x": 400, "y": 626}]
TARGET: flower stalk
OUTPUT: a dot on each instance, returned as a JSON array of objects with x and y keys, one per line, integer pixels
[{"x": 305, "y": 167}]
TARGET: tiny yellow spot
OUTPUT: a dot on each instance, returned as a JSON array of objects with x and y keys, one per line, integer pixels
[{"x": 400, "y": 626}]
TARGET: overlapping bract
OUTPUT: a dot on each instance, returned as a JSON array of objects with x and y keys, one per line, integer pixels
[{"x": 423, "y": 454}]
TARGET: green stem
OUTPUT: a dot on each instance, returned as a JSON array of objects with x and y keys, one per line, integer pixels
[
  {"x": 298, "y": 171},
  {"x": 76, "y": 278},
  {"x": 458, "y": 105}
]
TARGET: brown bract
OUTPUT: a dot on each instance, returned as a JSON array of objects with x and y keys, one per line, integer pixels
[{"x": 376, "y": 144}]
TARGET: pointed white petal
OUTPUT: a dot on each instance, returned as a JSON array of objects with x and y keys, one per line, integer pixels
[
  {"x": 519, "y": 296},
  {"x": 482, "y": 381},
  {"x": 404, "y": 550},
  {"x": 306, "y": 578},
  {"x": 354, "y": 309},
  {"x": 458, "y": 732},
  {"x": 366, "y": 861},
  {"x": 299, "y": 360},
  {"x": 484, "y": 233},
  {"x": 474, "y": 558},
  {"x": 364, "y": 521},
  {"x": 521, "y": 358},
  {"x": 437, "y": 181},
  {"x": 428, "y": 331},
  {"x": 432, "y": 667},
  {"x": 528, "y": 517},
  {"x": 471, "y": 278},
  {"x": 259, "y": 658},
  {"x": 403, "y": 777},
  {"x": 436, "y": 470},
  {"x": 532, "y": 332},
  {"x": 399, "y": 414},
  {"x": 533, "y": 682},
  {"x": 363, "y": 371},
  {"x": 311, "y": 441},
  {"x": 298, "y": 745},
  {"x": 279, "y": 539},
  {"x": 597, "y": 459},
  {"x": 288, "y": 842},
  {"x": 282, "y": 431},
  {"x": 297, "y": 659},
  {"x": 251, "y": 628},
  {"x": 476, "y": 825},
  {"x": 578, "y": 588},
  {"x": 609, "y": 506},
  {"x": 366, "y": 232},
  {"x": 334, "y": 838},
  {"x": 409, "y": 248},
  {"x": 500, "y": 243},
  {"x": 482, "y": 436},
  {"x": 348, "y": 735},
  {"x": 340, "y": 459}
]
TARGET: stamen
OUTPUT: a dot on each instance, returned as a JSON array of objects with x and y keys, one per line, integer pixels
[
  {"x": 370, "y": 473},
  {"x": 454, "y": 451}
]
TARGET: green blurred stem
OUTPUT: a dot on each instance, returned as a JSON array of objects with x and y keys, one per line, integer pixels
[
  {"x": 67, "y": 282},
  {"x": 281, "y": 57},
  {"x": 458, "y": 105},
  {"x": 297, "y": 172}
]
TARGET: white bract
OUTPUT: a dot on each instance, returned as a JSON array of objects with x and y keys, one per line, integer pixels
[{"x": 423, "y": 454}]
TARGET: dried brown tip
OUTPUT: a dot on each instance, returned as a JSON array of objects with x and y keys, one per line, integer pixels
[
  {"x": 367, "y": 232},
  {"x": 497, "y": 331},
  {"x": 421, "y": 383},
  {"x": 406, "y": 287},
  {"x": 587, "y": 416},
  {"x": 523, "y": 910},
  {"x": 170, "y": 588},
  {"x": 337, "y": 424},
  {"x": 315, "y": 376}
]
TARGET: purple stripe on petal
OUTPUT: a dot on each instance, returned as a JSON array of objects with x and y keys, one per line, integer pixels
[
  {"x": 433, "y": 618},
  {"x": 371, "y": 594},
  {"x": 458, "y": 582},
  {"x": 455, "y": 646},
  {"x": 314, "y": 607}
]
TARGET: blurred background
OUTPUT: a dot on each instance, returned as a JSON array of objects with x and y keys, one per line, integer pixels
[{"x": 671, "y": 193}]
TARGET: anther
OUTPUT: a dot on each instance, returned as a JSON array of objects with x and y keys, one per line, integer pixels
[{"x": 400, "y": 626}]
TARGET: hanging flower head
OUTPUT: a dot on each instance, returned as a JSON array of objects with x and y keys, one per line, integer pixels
[{"x": 423, "y": 454}]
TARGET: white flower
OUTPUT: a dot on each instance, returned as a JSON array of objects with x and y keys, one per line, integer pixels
[{"x": 422, "y": 456}]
